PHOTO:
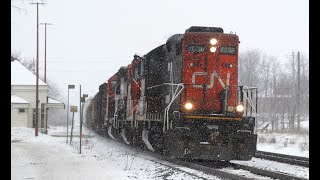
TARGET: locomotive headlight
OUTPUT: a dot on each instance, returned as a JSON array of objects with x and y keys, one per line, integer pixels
[
  {"x": 188, "y": 106},
  {"x": 213, "y": 41},
  {"x": 213, "y": 49},
  {"x": 240, "y": 108}
]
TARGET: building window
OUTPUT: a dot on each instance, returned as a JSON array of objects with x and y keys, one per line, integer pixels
[{"x": 21, "y": 110}]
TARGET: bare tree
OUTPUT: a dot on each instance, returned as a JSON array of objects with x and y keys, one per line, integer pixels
[
  {"x": 277, "y": 88},
  {"x": 249, "y": 75},
  {"x": 249, "y": 62},
  {"x": 302, "y": 89},
  {"x": 15, "y": 56}
]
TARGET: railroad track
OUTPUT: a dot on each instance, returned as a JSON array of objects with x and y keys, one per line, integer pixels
[
  {"x": 251, "y": 169},
  {"x": 222, "y": 169},
  {"x": 294, "y": 160}
]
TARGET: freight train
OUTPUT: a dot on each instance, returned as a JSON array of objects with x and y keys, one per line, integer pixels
[{"x": 181, "y": 99}]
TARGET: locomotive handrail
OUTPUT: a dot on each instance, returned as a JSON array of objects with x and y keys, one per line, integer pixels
[
  {"x": 249, "y": 100},
  {"x": 157, "y": 85},
  {"x": 246, "y": 90},
  {"x": 249, "y": 88},
  {"x": 166, "y": 110}
]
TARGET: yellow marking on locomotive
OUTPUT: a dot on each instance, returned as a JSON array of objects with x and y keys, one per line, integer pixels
[{"x": 210, "y": 117}]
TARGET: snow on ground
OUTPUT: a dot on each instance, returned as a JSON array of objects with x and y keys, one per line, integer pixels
[
  {"x": 284, "y": 143},
  {"x": 49, "y": 157}
]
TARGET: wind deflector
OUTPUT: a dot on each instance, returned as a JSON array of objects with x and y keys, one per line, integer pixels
[{"x": 204, "y": 29}]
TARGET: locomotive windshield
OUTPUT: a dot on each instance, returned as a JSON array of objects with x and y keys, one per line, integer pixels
[{"x": 195, "y": 49}]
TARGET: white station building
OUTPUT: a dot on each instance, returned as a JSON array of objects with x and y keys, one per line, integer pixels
[{"x": 23, "y": 98}]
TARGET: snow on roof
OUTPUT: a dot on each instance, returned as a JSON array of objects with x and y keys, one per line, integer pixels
[
  {"x": 20, "y": 75},
  {"x": 17, "y": 99},
  {"x": 52, "y": 101}
]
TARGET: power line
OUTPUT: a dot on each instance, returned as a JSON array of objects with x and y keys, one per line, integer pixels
[
  {"x": 89, "y": 62},
  {"x": 87, "y": 70},
  {"x": 92, "y": 57},
  {"x": 19, "y": 8}
]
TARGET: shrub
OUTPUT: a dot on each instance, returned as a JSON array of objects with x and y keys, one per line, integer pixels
[
  {"x": 273, "y": 140},
  {"x": 303, "y": 146},
  {"x": 261, "y": 139},
  {"x": 292, "y": 141}
]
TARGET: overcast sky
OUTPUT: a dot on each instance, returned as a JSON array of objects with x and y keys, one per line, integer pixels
[{"x": 90, "y": 40}]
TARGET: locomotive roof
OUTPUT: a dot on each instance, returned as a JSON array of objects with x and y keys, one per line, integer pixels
[
  {"x": 204, "y": 29},
  {"x": 155, "y": 51},
  {"x": 175, "y": 38}
]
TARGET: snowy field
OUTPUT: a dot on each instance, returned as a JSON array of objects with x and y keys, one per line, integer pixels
[
  {"x": 49, "y": 157},
  {"x": 286, "y": 143}
]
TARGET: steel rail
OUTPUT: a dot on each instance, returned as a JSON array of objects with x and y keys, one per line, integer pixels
[
  {"x": 294, "y": 160},
  {"x": 196, "y": 166},
  {"x": 272, "y": 174}
]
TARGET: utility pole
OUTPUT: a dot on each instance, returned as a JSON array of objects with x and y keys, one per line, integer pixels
[
  {"x": 293, "y": 94},
  {"x": 45, "y": 66},
  {"x": 45, "y": 50},
  {"x": 80, "y": 115},
  {"x": 37, "y": 70},
  {"x": 72, "y": 109},
  {"x": 298, "y": 94},
  {"x": 82, "y": 100},
  {"x": 69, "y": 87}
]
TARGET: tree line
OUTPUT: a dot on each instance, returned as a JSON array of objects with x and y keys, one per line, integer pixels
[{"x": 283, "y": 99}]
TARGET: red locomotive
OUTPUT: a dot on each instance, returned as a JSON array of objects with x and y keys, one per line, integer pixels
[{"x": 181, "y": 99}]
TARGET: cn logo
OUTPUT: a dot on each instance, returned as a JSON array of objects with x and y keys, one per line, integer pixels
[{"x": 214, "y": 74}]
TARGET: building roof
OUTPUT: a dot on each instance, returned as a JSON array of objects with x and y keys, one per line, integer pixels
[
  {"x": 18, "y": 100},
  {"x": 52, "y": 101},
  {"x": 20, "y": 75},
  {"x": 55, "y": 104}
]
